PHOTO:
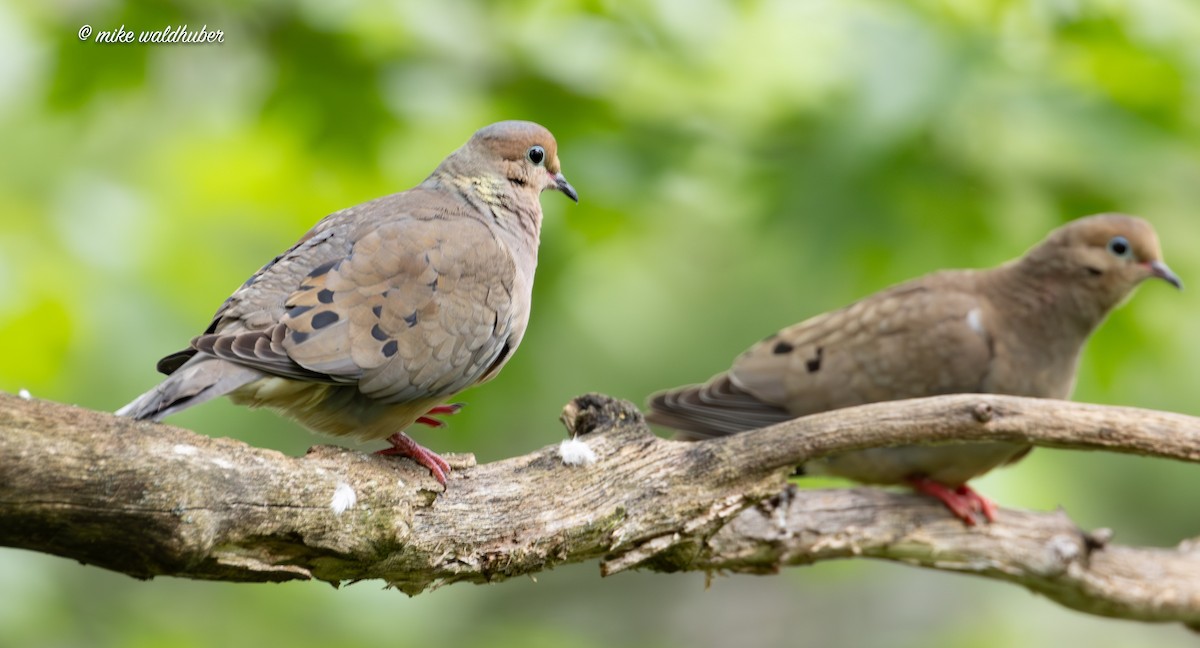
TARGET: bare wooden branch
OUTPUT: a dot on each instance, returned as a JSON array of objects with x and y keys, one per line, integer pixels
[
  {"x": 1044, "y": 552},
  {"x": 146, "y": 499}
]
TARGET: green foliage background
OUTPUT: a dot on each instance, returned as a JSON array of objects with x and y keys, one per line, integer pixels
[{"x": 742, "y": 165}]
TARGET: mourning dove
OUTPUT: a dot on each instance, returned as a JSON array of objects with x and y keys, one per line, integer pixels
[
  {"x": 1015, "y": 329},
  {"x": 384, "y": 310}
]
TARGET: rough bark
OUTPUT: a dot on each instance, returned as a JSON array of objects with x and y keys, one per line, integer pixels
[{"x": 147, "y": 499}]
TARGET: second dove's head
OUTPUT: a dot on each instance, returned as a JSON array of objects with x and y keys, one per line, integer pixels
[
  {"x": 524, "y": 153},
  {"x": 1106, "y": 255}
]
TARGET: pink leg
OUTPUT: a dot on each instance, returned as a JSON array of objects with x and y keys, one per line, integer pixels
[
  {"x": 403, "y": 446},
  {"x": 963, "y": 502},
  {"x": 440, "y": 410}
]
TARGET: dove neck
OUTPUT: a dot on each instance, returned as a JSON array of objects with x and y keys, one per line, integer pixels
[
  {"x": 491, "y": 198},
  {"x": 1059, "y": 305}
]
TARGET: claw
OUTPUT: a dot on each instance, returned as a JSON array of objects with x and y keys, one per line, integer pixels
[
  {"x": 447, "y": 408},
  {"x": 978, "y": 502},
  {"x": 962, "y": 501},
  {"x": 403, "y": 446}
]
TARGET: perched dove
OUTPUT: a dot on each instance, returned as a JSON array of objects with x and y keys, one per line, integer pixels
[
  {"x": 384, "y": 310},
  {"x": 1015, "y": 329}
]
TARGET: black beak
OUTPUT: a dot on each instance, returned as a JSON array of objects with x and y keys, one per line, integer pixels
[
  {"x": 562, "y": 185},
  {"x": 1160, "y": 270}
]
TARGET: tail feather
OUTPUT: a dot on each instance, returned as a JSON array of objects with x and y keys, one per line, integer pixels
[
  {"x": 716, "y": 408},
  {"x": 200, "y": 379}
]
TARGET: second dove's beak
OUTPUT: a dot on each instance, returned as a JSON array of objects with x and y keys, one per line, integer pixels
[
  {"x": 561, "y": 184},
  {"x": 1160, "y": 270}
]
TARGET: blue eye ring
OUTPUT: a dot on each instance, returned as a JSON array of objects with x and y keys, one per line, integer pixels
[
  {"x": 1119, "y": 246},
  {"x": 536, "y": 154}
]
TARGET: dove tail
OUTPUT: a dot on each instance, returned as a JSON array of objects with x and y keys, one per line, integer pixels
[
  {"x": 200, "y": 379},
  {"x": 716, "y": 408}
]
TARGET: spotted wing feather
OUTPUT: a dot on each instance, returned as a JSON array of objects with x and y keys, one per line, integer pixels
[
  {"x": 407, "y": 313},
  {"x": 904, "y": 342}
]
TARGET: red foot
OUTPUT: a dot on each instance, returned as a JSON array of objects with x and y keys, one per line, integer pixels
[
  {"x": 405, "y": 447},
  {"x": 449, "y": 408},
  {"x": 963, "y": 502},
  {"x": 978, "y": 502}
]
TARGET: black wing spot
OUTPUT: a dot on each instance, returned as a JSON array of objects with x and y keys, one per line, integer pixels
[
  {"x": 411, "y": 320},
  {"x": 299, "y": 337},
  {"x": 433, "y": 284},
  {"x": 814, "y": 363},
  {"x": 782, "y": 347},
  {"x": 390, "y": 348},
  {"x": 325, "y": 296},
  {"x": 378, "y": 333},
  {"x": 324, "y": 267},
  {"x": 323, "y": 319},
  {"x": 378, "y": 310},
  {"x": 297, "y": 311}
]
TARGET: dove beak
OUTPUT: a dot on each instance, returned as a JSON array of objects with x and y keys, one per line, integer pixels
[
  {"x": 561, "y": 184},
  {"x": 1160, "y": 270}
]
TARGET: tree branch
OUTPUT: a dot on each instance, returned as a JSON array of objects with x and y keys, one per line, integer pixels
[{"x": 147, "y": 499}]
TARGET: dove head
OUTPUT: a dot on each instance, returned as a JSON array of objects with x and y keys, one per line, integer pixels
[
  {"x": 524, "y": 153},
  {"x": 1099, "y": 260}
]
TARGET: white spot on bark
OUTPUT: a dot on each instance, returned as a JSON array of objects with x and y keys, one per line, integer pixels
[
  {"x": 184, "y": 449},
  {"x": 975, "y": 320},
  {"x": 24, "y": 394},
  {"x": 344, "y": 497},
  {"x": 1065, "y": 547},
  {"x": 222, "y": 463},
  {"x": 576, "y": 453}
]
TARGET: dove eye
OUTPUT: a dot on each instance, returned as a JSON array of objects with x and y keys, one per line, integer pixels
[
  {"x": 1119, "y": 246},
  {"x": 536, "y": 154}
]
